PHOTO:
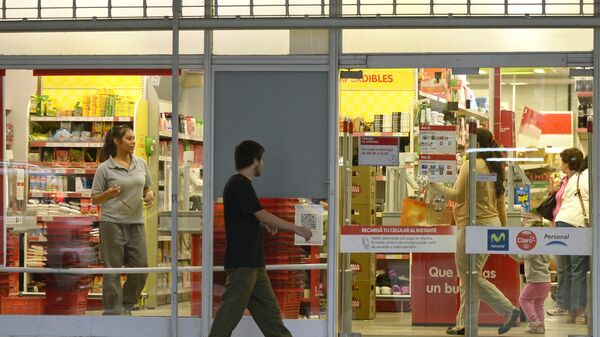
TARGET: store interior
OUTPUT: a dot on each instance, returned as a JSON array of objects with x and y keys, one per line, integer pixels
[
  {"x": 405, "y": 293},
  {"x": 55, "y": 124}
]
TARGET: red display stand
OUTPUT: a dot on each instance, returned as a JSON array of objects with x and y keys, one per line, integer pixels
[{"x": 435, "y": 291}]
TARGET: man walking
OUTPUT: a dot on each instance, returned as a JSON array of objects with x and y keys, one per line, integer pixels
[{"x": 248, "y": 284}]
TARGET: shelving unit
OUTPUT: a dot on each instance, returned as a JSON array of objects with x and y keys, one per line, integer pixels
[{"x": 62, "y": 164}]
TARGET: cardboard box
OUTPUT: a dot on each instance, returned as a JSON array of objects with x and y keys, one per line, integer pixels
[
  {"x": 363, "y": 266},
  {"x": 363, "y": 300},
  {"x": 363, "y": 215}
]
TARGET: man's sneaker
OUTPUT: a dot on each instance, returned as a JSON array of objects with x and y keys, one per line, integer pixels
[{"x": 557, "y": 311}]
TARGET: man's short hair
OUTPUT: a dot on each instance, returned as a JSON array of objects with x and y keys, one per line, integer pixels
[{"x": 246, "y": 152}]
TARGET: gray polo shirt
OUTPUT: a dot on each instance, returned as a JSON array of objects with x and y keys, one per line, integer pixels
[{"x": 127, "y": 207}]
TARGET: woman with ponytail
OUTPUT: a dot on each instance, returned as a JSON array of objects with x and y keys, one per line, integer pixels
[
  {"x": 490, "y": 211},
  {"x": 122, "y": 186}
]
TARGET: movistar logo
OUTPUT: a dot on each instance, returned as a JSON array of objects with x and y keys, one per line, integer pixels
[{"x": 497, "y": 239}]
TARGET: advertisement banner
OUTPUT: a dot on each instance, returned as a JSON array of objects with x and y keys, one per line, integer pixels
[
  {"x": 379, "y": 151},
  {"x": 437, "y": 139},
  {"x": 440, "y": 168},
  {"x": 311, "y": 217},
  {"x": 529, "y": 240},
  {"x": 393, "y": 239}
]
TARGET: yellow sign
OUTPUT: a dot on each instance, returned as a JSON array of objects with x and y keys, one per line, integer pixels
[{"x": 380, "y": 91}]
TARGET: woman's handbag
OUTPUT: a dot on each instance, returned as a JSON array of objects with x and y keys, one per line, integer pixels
[{"x": 546, "y": 208}]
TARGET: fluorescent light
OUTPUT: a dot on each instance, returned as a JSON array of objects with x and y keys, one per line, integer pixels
[
  {"x": 482, "y": 71},
  {"x": 539, "y": 71},
  {"x": 502, "y": 149},
  {"x": 516, "y": 159}
]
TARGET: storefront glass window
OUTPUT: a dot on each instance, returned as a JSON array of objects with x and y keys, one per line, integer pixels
[
  {"x": 481, "y": 7},
  {"x": 56, "y": 215},
  {"x": 465, "y": 40},
  {"x": 406, "y": 233},
  {"x": 271, "y": 42},
  {"x": 101, "y": 43}
]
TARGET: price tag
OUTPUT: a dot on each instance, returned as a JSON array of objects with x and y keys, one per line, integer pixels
[
  {"x": 60, "y": 171},
  {"x": 47, "y": 218},
  {"x": 37, "y": 194},
  {"x": 79, "y": 171},
  {"x": 86, "y": 194}
]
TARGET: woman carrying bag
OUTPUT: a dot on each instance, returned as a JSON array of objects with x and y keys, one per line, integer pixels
[
  {"x": 573, "y": 213},
  {"x": 491, "y": 212}
]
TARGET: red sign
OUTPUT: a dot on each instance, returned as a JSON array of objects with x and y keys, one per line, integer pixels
[{"x": 526, "y": 240}]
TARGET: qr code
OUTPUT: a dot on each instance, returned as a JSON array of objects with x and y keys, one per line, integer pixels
[{"x": 309, "y": 221}]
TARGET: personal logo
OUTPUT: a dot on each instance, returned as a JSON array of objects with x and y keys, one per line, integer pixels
[
  {"x": 497, "y": 239},
  {"x": 526, "y": 240}
]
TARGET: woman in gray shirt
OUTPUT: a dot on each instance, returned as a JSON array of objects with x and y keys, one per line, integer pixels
[{"x": 122, "y": 186}]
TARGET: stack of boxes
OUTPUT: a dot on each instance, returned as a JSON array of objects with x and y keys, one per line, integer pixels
[
  {"x": 363, "y": 264},
  {"x": 396, "y": 122}
]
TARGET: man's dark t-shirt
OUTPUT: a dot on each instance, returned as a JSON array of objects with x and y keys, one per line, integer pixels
[{"x": 243, "y": 230}]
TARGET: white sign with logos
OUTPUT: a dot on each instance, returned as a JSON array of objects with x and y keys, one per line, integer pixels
[
  {"x": 437, "y": 139},
  {"x": 529, "y": 240},
  {"x": 311, "y": 217},
  {"x": 379, "y": 151},
  {"x": 393, "y": 239},
  {"x": 440, "y": 168}
]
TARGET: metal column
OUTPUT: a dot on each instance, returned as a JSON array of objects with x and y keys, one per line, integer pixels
[
  {"x": 207, "y": 175},
  {"x": 175, "y": 168},
  {"x": 471, "y": 295}
]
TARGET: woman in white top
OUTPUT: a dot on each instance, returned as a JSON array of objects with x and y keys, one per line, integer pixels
[{"x": 573, "y": 213}]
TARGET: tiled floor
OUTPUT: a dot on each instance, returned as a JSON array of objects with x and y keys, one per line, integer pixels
[{"x": 398, "y": 324}]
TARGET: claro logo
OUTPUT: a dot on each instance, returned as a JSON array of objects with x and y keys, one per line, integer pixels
[{"x": 526, "y": 240}]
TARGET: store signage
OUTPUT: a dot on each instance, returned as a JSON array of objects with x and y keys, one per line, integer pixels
[
  {"x": 440, "y": 168},
  {"x": 393, "y": 239},
  {"x": 379, "y": 151},
  {"x": 523, "y": 197},
  {"x": 311, "y": 217},
  {"x": 529, "y": 240},
  {"x": 437, "y": 139}
]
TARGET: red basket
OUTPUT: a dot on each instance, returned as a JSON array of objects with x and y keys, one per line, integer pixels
[
  {"x": 66, "y": 302},
  {"x": 17, "y": 305},
  {"x": 289, "y": 302}
]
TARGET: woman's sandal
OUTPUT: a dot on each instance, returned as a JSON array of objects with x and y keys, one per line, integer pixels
[{"x": 455, "y": 331}]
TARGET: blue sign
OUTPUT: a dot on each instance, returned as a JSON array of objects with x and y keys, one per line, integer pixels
[
  {"x": 522, "y": 197},
  {"x": 497, "y": 239}
]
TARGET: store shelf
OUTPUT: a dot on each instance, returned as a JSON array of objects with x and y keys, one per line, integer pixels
[
  {"x": 398, "y": 297},
  {"x": 379, "y": 134},
  {"x": 60, "y": 165},
  {"x": 66, "y": 144},
  {"x": 43, "y": 218},
  {"x": 59, "y": 194},
  {"x": 533, "y": 166},
  {"x": 392, "y": 256},
  {"x": 472, "y": 113},
  {"x": 461, "y": 109},
  {"x": 167, "y": 134},
  {"x": 80, "y": 119},
  {"x": 59, "y": 171},
  {"x": 433, "y": 97}
]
